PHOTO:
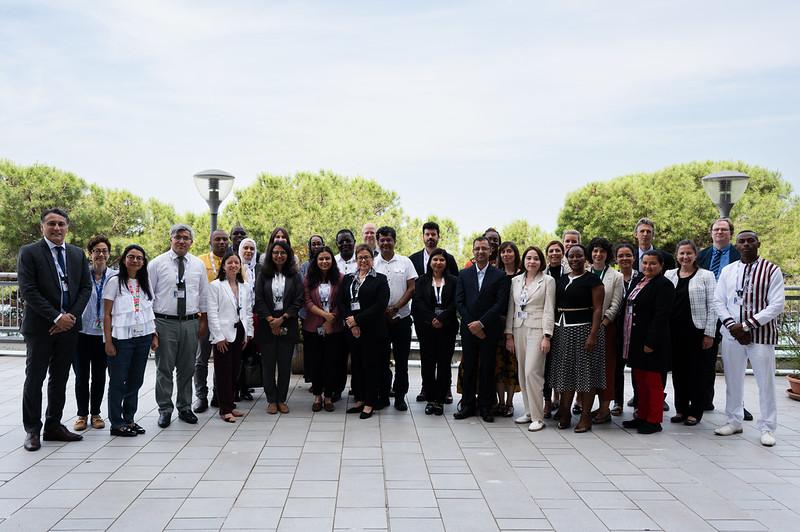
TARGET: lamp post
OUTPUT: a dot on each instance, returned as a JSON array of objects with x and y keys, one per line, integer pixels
[
  {"x": 725, "y": 189},
  {"x": 214, "y": 186}
]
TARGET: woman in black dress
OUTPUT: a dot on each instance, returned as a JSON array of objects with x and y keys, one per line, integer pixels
[
  {"x": 363, "y": 298},
  {"x": 555, "y": 269},
  {"x": 625, "y": 254},
  {"x": 434, "y": 312},
  {"x": 578, "y": 350}
]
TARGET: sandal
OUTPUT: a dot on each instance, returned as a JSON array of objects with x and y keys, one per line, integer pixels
[
  {"x": 691, "y": 421},
  {"x": 509, "y": 411},
  {"x": 677, "y": 418},
  {"x": 229, "y": 418},
  {"x": 600, "y": 420},
  {"x": 617, "y": 410},
  {"x": 237, "y": 413}
]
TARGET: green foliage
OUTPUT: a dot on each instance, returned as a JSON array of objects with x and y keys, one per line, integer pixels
[
  {"x": 518, "y": 231},
  {"x": 675, "y": 200}
]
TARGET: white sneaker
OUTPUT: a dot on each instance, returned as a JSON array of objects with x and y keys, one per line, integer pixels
[
  {"x": 524, "y": 418},
  {"x": 767, "y": 439},
  {"x": 727, "y": 430},
  {"x": 538, "y": 425}
]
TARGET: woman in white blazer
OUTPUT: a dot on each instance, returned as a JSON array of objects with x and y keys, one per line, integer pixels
[
  {"x": 692, "y": 326},
  {"x": 529, "y": 327},
  {"x": 602, "y": 254},
  {"x": 230, "y": 327}
]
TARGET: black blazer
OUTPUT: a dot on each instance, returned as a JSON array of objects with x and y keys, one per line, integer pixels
[
  {"x": 418, "y": 258},
  {"x": 650, "y": 326},
  {"x": 40, "y": 286},
  {"x": 669, "y": 260},
  {"x": 704, "y": 257},
  {"x": 373, "y": 298},
  {"x": 423, "y": 303},
  {"x": 293, "y": 299},
  {"x": 488, "y": 305}
]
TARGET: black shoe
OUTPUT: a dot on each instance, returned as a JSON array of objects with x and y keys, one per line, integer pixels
[
  {"x": 709, "y": 407},
  {"x": 201, "y": 405},
  {"x": 336, "y": 396},
  {"x": 350, "y": 391},
  {"x": 666, "y": 407},
  {"x": 679, "y": 418},
  {"x": 648, "y": 428},
  {"x": 381, "y": 404},
  {"x": 400, "y": 403},
  {"x": 32, "y": 441},
  {"x": 747, "y": 415},
  {"x": 632, "y": 423},
  {"x": 246, "y": 396},
  {"x": 449, "y": 399},
  {"x": 631, "y": 402},
  {"x": 438, "y": 409},
  {"x": 60, "y": 433},
  {"x": 355, "y": 409},
  {"x": 124, "y": 431},
  {"x": 137, "y": 428},
  {"x": 487, "y": 416},
  {"x": 464, "y": 413},
  {"x": 164, "y": 419},
  {"x": 429, "y": 409},
  {"x": 365, "y": 415},
  {"x": 187, "y": 417},
  {"x": 576, "y": 410},
  {"x": 421, "y": 397},
  {"x": 214, "y": 401}
]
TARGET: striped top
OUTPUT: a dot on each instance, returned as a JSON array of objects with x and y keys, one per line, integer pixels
[{"x": 753, "y": 294}]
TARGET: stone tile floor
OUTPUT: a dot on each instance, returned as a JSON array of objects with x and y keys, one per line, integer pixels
[{"x": 396, "y": 471}]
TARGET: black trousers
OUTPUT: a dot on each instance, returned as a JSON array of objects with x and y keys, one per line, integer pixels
[
  {"x": 688, "y": 361},
  {"x": 478, "y": 360},
  {"x": 710, "y": 368},
  {"x": 547, "y": 390},
  {"x": 322, "y": 359},
  {"x": 90, "y": 359},
  {"x": 368, "y": 355},
  {"x": 436, "y": 353},
  {"x": 46, "y": 353},
  {"x": 226, "y": 370},
  {"x": 276, "y": 351},
  {"x": 398, "y": 342}
]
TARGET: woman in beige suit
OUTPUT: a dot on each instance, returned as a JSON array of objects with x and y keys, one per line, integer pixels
[
  {"x": 601, "y": 253},
  {"x": 529, "y": 326}
]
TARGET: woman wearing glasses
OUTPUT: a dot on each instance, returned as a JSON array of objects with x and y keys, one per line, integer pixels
[
  {"x": 129, "y": 329},
  {"x": 90, "y": 357},
  {"x": 363, "y": 298}
]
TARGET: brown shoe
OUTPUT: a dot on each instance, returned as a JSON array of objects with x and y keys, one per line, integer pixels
[
  {"x": 60, "y": 433},
  {"x": 328, "y": 405},
  {"x": 316, "y": 406},
  {"x": 32, "y": 442},
  {"x": 98, "y": 423},
  {"x": 272, "y": 408},
  {"x": 80, "y": 423},
  {"x": 283, "y": 408}
]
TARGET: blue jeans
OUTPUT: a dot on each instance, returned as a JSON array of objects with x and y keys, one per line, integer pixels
[{"x": 125, "y": 377}]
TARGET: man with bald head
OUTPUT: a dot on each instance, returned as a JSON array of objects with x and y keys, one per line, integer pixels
[
  {"x": 370, "y": 238},
  {"x": 213, "y": 262}
]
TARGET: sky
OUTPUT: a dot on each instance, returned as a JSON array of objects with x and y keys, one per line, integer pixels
[{"x": 483, "y": 112}]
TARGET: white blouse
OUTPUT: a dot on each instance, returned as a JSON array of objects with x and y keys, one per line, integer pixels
[{"x": 126, "y": 320}]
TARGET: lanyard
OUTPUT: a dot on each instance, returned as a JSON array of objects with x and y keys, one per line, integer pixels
[
  {"x": 278, "y": 287},
  {"x": 213, "y": 264},
  {"x": 355, "y": 287},
  {"x": 98, "y": 288},
  {"x": 135, "y": 293},
  {"x": 437, "y": 292},
  {"x": 746, "y": 277},
  {"x": 600, "y": 273},
  {"x": 178, "y": 279},
  {"x": 325, "y": 295}
]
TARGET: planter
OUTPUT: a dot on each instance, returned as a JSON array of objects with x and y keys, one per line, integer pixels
[{"x": 794, "y": 383}]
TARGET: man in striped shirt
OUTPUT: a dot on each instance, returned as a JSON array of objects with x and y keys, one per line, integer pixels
[{"x": 749, "y": 299}]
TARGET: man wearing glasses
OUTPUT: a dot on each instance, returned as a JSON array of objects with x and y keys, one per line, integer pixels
[{"x": 179, "y": 285}]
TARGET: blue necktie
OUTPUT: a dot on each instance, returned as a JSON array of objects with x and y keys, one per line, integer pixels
[
  {"x": 715, "y": 260},
  {"x": 62, "y": 280}
]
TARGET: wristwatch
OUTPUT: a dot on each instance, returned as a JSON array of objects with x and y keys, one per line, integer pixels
[{"x": 745, "y": 327}]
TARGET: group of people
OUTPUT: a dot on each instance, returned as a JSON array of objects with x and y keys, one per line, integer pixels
[{"x": 557, "y": 324}]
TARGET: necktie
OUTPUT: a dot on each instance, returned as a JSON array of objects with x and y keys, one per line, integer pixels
[
  {"x": 181, "y": 288},
  {"x": 715, "y": 260},
  {"x": 62, "y": 280}
]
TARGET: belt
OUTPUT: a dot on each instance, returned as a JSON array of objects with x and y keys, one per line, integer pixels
[
  {"x": 188, "y": 317},
  {"x": 573, "y": 309}
]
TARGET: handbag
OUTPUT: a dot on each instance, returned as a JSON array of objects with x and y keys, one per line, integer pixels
[{"x": 252, "y": 371}]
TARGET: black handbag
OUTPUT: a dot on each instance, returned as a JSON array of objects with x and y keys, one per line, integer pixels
[{"x": 252, "y": 371}]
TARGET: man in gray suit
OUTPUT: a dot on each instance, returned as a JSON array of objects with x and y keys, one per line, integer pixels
[{"x": 54, "y": 283}]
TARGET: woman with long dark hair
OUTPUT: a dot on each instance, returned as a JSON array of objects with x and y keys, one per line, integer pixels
[
  {"x": 279, "y": 296},
  {"x": 322, "y": 328},
  {"x": 230, "y": 327},
  {"x": 434, "y": 310},
  {"x": 130, "y": 333},
  {"x": 506, "y": 370}
]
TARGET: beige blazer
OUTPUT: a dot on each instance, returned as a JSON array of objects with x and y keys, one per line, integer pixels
[
  {"x": 540, "y": 308},
  {"x": 222, "y": 311},
  {"x": 612, "y": 284}
]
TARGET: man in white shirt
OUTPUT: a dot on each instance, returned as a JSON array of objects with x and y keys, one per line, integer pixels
[
  {"x": 749, "y": 300},
  {"x": 401, "y": 275},
  {"x": 346, "y": 259},
  {"x": 179, "y": 285}
]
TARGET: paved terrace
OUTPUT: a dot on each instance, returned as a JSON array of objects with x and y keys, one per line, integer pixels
[{"x": 397, "y": 471}]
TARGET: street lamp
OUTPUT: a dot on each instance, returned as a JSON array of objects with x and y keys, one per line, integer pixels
[
  {"x": 725, "y": 189},
  {"x": 214, "y": 186}
]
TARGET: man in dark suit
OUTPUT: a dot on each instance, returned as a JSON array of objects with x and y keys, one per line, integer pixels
[
  {"x": 714, "y": 258},
  {"x": 644, "y": 233},
  {"x": 54, "y": 283},
  {"x": 481, "y": 300},
  {"x": 430, "y": 239}
]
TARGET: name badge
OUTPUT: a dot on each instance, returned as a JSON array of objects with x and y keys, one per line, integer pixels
[
  {"x": 629, "y": 310},
  {"x": 98, "y": 324},
  {"x": 737, "y": 300},
  {"x": 321, "y": 331},
  {"x": 64, "y": 287},
  {"x": 438, "y": 310},
  {"x": 180, "y": 293},
  {"x": 521, "y": 314},
  {"x": 137, "y": 330},
  {"x": 355, "y": 305}
]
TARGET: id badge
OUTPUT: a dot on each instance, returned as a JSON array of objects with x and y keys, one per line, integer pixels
[
  {"x": 321, "y": 331},
  {"x": 64, "y": 287},
  {"x": 355, "y": 305},
  {"x": 737, "y": 300},
  {"x": 629, "y": 310},
  {"x": 438, "y": 310},
  {"x": 521, "y": 315},
  {"x": 180, "y": 293},
  {"x": 98, "y": 324},
  {"x": 137, "y": 330}
]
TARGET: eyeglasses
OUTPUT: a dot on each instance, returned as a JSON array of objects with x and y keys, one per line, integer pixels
[
  {"x": 181, "y": 238},
  {"x": 98, "y": 251},
  {"x": 363, "y": 258},
  {"x": 279, "y": 253},
  {"x": 134, "y": 258}
]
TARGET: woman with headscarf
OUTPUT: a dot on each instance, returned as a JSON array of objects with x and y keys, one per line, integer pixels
[{"x": 248, "y": 253}]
